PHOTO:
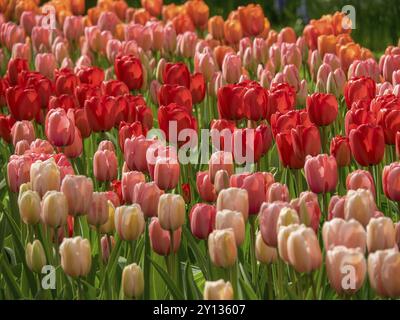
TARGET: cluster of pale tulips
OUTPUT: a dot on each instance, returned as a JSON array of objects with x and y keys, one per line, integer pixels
[{"x": 95, "y": 207}]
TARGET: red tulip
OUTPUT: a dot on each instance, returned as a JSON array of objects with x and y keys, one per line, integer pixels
[
  {"x": 202, "y": 220},
  {"x": 266, "y": 137},
  {"x": 91, "y": 75},
  {"x": 386, "y": 101},
  {"x": 255, "y": 103},
  {"x": 361, "y": 88},
  {"x": 63, "y": 101},
  {"x": 160, "y": 239},
  {"x": 65, "y": 81},
  {"x": 281, "y": 122},
  {"x": 176, "y": 73},
  {"x": 14, "y": 67},
  {"x": 340, "y": 149},
  {"x": 114, "y": 88},
  {"x": 82, "y": 122},
  {"x": 287, "y": 155},
  {"x": 306, "y": 140},
  {"x": 175, "y": 94},
  {"x": 145, "y": 117},
  {"x": 43, "y": 86},
  {"x": 23, "y": 103},
  {"x": 197, "y": 87},
  {"x": 223, "y": 130},
  {"x": 367, "y": 144},
  {"x": 322, "y": 108},
  {"x": 6, "y": 123},
  {"x": 101, "y": 112},
  {"x": 281, "y": 98},
  {"x": 175, "y": 113},
  {"x": 389, "y": 120},
  {"x": 249, "y": 141},
  {"x": 230, "y": 102},
  {"x": 356, "y": 117},
  {"x": 85, "y": 91},
  {"x": 129, "y": 70}
]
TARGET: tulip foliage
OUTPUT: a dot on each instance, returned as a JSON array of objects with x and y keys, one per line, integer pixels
[{"x": 294, "y": 193}]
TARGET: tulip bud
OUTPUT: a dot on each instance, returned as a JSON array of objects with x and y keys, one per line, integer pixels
[
  {"x": 171, "y": 211},
  {"x": 29, "y": 206},
  {"x": 222, "y": 248},
  {"x": 129, "y": 222},
  {"x": 105, "y": 165},
  {"x": 283, "y": 236},
  {"x": 360, "y": 179},
  {"x": 264, "y": 253},
  {"x": 35, "y": 256},
  {"x": 98, "y": 210},
  {"x": 132, "y": 281},
  {"x": 383, "y": 271},
  {"x": 381, "y": 234},
  {"x": 202, "y": 220},
  {"x": 128, "y": 183},
  {"x": 226, "y": 219},
  {"x": 166, "y": 173},
  {"x": 235, "y": 199},
  {"x": 218, "y": 290},
  {"x": 321, "y": 173},
  {"x": 359, "y": 205},
  {"x": 76, "y": 259},
  {"x": 341, "y": 262},
  {"x": 107, "y": 245},
  {"x": 22, "y": 130},
  {"x": 45, "y": 176},
  {"x": 54, "y": 209}
]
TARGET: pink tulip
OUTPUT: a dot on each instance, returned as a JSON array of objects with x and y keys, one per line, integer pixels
[
  {"x": 339, "y": 232},
  {"x": 220, "y": 160},
  {"x": 332, "y": 60},
  {"x": 60, "y": 127},
  {"x": 381, "y": 234},
  {"x": 74, "y": 150},
  {"x": 22, "y": 130},
  {"x": 147, "y": 196},
  {"x": 290, "y": 54},
  {"x": 45, "y": 63},
  {"x": 390, "y": 178},
  {"x": 28, "y": 21},
  {"x": 105, "y": 165},
  {"x": 202, "y": 220},
  {"x": 234, "y": 199},
  {"x": 128, "y": 182},
  {"x": 135, "y": 153},
  {"x": 336, "y": 207},
  {"x": 98, "y": 210},
  {"x": 78, "y": 191},
  {"x": 360, "y": 179},
  {"x": 21, "y": 147},
  {"x": 187, "y": 44},
  {"x": 108, "y": 21},
  {"x": 73, "y": 27},
  {"x": 160, "y": 239},
  {"x": 268, "y": 217},
  {"x": 41, "y": 146},
  {"x": 40, "y": 39},
  {"x": 321, "y": 173},
  {"x": 106, "y": 145},
  {"x": 166, "y": 173},
  {"x": 18, "y": 171},
  {"x": 22, "y": 51},
  {"x": 308, "y": 209},
  {"x": 204, "y": 187},
  {"x": 277, "y": 192},
  {"x": 231, "y": 68}
]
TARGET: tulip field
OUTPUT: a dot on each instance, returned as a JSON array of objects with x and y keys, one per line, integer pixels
[{"x": 160, "y": 151}]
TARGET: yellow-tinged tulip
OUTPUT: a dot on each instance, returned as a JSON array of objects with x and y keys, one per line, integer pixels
[
  {"x": 222, "y": 247},
  {"x": 129, "y": 222},
  {"x": 287, "y": 216},
  {"x": 218, "y": 290},
  {"x": 45, "y": 176},
  {"x": 54, "y": 209},
  {"x": 234, "y": 199},
  {"x": 35, "y": 256},
  {"x": 171, "y": 211},
  {"x": 359, "y": 205},
  {"x": 109, "y": 226},
  {"x": 76, "y": 259},
  {"x": 264, "y": 253},
  {"x": 132, "y": 281},
  {"x": 29, "y": 207},
  {"x": 226, "y": 219}
]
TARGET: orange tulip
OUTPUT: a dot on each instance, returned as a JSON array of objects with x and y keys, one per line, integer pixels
[
  {"x": 287, "y": 35},
  {"x": 233, "y": 31},
  {"x": 141, "y": 16},
  {"x": 348, "y": 53},
  {"x": 220, "y": 52},
  {"x": 198, "y": 11},
  {"x": 152, "y": 6},
  {"x": 326, "y": 44},
  {"x": 252, "y": 19},
  {"x": 216, "y": 27}
]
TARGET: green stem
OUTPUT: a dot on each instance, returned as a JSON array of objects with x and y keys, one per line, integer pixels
[{"x": 253, "y": 260}]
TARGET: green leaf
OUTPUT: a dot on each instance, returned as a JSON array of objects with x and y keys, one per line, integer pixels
[
  {"x": 10, "y": 278},
  {"x": 248, "y": 290},
  {"x": 173, "y": 289}
]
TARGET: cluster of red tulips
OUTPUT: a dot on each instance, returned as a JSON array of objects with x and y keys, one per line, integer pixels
[{"x": 90, "y": 190}]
